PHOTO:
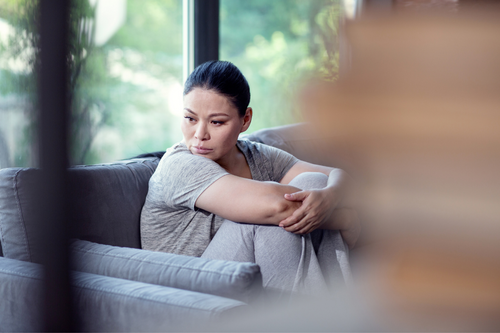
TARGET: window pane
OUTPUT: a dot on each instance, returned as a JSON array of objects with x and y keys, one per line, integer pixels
[
  {"x": 127, "y": 78},
  {"x": 276, "y": 44},
  {"x": 18, "y": 63}
]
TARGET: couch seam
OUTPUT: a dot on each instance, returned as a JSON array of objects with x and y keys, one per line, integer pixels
[
  {"x": 8, "y": 271},
  {"x": 155, "y": 262},
  {"x": 2, "y": 241},
  {"x": 16, "y": 195},
  {"x": 83, "y": 285}
]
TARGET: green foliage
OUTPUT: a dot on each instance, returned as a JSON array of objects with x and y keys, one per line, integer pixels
[
  {"x": 277, "y": 44},
  {"x": 20, "y": 57},
  {"x": 153, "y": 26},
  {"x": 129, "y": 83}
]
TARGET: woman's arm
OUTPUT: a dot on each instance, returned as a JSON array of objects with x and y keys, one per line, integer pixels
[
  {"x": 328, "y": 208},
  {"x": 249, "y": 201}
]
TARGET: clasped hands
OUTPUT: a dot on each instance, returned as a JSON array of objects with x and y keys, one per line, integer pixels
[{"x": 322, "y": 209}]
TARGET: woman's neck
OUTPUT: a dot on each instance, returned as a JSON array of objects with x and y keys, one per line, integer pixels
[{"x": 236, "y": 164}]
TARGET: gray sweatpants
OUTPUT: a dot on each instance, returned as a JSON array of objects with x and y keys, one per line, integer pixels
[{"x": 290, "y": 264}]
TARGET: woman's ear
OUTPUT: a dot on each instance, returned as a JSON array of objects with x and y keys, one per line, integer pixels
[{"x": 247, "y": 119}]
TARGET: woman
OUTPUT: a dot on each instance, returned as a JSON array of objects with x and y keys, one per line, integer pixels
[{"x": 211, "y": 178}]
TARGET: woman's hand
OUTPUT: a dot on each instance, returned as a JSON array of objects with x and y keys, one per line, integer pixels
[
  {"x": 316, "y": 209},
  {"x": 323, "y": 209}
]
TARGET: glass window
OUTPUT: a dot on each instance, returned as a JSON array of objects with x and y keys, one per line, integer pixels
[
  {"x": 18, "y": 63},
  {"x": 276, "y": 44},
  {"x": 125, "y": 78},
  {"x": 126, "y": 69},
  {"x": 128, "y": 89}
]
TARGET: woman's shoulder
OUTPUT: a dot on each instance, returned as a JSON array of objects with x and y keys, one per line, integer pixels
[
  {"x": 267, "y": 163},
  {"x": 258, "y": 148},
  {"x": 252, "y": 146},
  {"x": 179, "y": 159},
  {"x": 178, "y": 153},
  {"x": 177, "y": 148}
]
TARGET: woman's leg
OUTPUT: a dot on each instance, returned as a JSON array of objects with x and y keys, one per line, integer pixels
[
  {"x": 331, "y": 251},
  {"x": 289, "y": 262}
]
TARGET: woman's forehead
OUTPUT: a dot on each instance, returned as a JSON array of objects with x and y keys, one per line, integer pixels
[{"x": 206, "y": 100}]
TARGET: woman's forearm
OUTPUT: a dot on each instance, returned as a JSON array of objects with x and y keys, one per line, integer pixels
[
  {"x": 339, "y": 186},
  {"x": 344, "y": 218},
  {"x": 347, "y": 222}
]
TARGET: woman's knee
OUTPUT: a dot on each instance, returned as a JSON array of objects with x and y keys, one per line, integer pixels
[{"x": 310, "y": 180}]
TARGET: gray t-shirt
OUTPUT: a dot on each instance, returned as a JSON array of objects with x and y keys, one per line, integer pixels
[{"x": 170, "y": 222}]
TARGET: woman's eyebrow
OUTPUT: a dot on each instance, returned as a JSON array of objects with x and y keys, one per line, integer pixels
[
  {"x": 218, "y": 115},
  {"x": 210, "y": 116}
]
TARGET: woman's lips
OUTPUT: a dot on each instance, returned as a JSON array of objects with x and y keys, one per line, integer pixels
[{"x": 201, "y": 150}]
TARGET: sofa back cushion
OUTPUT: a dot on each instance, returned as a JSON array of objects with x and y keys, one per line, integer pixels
[
  {"x": 107, "y": 204},
  {"x": 301, "y": 140}
]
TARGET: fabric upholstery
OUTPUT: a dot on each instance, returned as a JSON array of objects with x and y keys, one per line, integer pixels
[
  {"x": 107, "y": 204},
  {"x": 109, "y": 199},
  {"x": 104, "y": 303},
  {"x": 20, "y": 296},
  {"x": 300, "y": 140},
  {"x": 237, "y": 280},
  {"x": 17, "y": 212}
]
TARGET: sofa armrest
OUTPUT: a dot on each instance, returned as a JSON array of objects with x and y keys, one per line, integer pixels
[
  {"x": 104, "y": 303},
  {"x": 237, "y": 280}
]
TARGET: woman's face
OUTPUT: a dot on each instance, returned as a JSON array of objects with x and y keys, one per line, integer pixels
[{"x": 211, "y": 124}]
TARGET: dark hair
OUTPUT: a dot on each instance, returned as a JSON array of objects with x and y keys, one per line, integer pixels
[{"x": 224, "y": 78}]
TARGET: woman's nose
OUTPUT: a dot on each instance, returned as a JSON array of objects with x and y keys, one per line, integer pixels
[{"x": 201, "y": 133}]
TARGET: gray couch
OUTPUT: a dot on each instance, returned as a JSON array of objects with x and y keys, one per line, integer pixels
[{"x": 116, "y": 285}]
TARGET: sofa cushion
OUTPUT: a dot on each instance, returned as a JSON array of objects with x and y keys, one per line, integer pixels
[
  {"x": 17, "y": 212},
  {"x": 107, "y": 204},
  {"x": 237, "y": 280},
  {"x": 106, "y": 304},
  {"x": 301, "y": 140},
  {"x": 108, "y": 201}
]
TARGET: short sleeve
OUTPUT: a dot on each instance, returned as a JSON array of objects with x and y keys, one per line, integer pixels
[{"x": 182, "y": 178}]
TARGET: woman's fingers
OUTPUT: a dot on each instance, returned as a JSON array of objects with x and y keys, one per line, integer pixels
[
  {"x": 316, "y": 206},
  {"x": 298, "y": 215},
  {"x": 306, "y": 219},
  {"x": 297, "y": 196},
  {"x": 305, "y": 226}
]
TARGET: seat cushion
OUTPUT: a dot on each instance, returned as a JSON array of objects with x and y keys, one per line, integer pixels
[
  {"x": 237, "y": 280},
  {"x": 106, "y": 304}
]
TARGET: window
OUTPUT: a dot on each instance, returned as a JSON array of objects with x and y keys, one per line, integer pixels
[
  {"x": 126, "y": 79},
  {"x": 276, "y": 44},
  {"x": 127, "y": 69},
  {"x": 18, "y": 36},
  {"x": 129, "y": 91}
]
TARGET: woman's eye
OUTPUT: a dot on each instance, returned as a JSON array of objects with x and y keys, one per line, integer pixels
[
  {"x": 189, "y": 118},
  {"x": 216, "y": 122}
]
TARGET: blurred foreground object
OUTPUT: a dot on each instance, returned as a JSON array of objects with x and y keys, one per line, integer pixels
[{"x": 417, "y": 119}]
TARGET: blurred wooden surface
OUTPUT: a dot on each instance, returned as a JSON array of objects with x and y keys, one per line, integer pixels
[{"x": 417, "y": 118}]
